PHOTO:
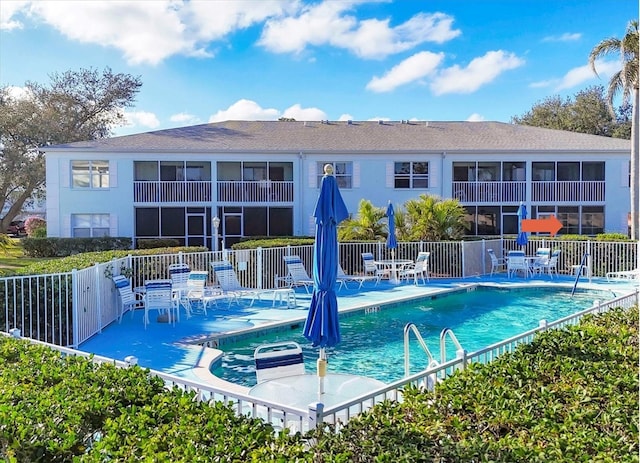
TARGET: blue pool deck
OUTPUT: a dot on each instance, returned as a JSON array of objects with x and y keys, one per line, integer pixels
[{"x": 172, "y": 348}]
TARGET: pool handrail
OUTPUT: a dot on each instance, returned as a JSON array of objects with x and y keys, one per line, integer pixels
[
  {"x": 443, "y": 345},
  {"x": 408, "y": 328}
]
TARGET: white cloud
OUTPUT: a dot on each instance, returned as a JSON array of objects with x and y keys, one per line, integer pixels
[
  {"x": 379, "y": 118},
  {"x": 246, "y": 110},
  {"x": 413, "y": 68},
  {"x": 566, "y": 37},
  {"x": 184, "y": 118},
  {"x": 579, "y": 75},
  {"x": 7, "y": 11},
  {"x": 345, "y": 117},
  {"x": 479, "y": 72},
  {"x": 304, "y": 114},
  {"x": 151, "y": 31},
  {"x": 475, "y": 117},
  {"x": 141, "y": 118},
  {"x": 328, "y": 23}
]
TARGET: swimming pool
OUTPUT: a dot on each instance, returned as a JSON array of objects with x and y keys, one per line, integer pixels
[{"x": 373, "y": 342}]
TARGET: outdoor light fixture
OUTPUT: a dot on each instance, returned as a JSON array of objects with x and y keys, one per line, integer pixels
[{"x": 216, "y": 225}]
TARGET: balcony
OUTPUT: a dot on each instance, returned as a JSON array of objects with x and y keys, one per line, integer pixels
[
  {"x": 514, "y": 192},
  {"x": 264, "y": 191},
  {"x": 489, "y": 192},
  {"x": 575, "y": 191},
  {"x": 172, "y": 191}
]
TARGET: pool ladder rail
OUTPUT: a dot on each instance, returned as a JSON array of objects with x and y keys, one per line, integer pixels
[{"x": 412, "y": 328}]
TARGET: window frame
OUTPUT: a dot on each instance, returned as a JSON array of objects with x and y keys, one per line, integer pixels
[
  {"x": 410, "y": 177},
  {"x": 96, "y": 221},
  {"x": 95, "y": 179}
]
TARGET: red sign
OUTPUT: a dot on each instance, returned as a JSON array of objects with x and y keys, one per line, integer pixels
[{"x": 549, "y": 225}]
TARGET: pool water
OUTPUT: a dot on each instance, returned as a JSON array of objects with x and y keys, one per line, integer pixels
[{"x": 373, "y": 341}]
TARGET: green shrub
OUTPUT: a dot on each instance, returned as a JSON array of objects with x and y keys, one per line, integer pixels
[
  {"x": 62, "y": 247},
  {"x": 152, "y": 243}
]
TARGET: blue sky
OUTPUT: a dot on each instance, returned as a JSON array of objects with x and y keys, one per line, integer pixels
[{"x": 212, "y": 60}]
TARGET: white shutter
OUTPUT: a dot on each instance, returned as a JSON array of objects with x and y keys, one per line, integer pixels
[
  {"x": 66, "y": 226},
  {"x": 356, "y": 175},
  {"x": 390, "y": 174},
  {"x": 113, "y": 174},
  {"x": 313, "y": 182},
  {"x": 113, "y": 225},
  {"x": 65, "y": 167},
  {"x": 434, "y": 176}
]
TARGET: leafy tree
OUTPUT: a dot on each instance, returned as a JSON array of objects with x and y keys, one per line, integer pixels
[
  {"x": 625, "y": 81},
  {"x": 367, "y": 225},
  {"x": 588, "y": 113},
  {"x": 75, "y": 106},
  {"x": 431, "y": 218}
]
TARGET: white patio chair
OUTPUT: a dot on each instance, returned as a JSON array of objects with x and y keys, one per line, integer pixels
[
  {"x": 179, "y": 274},
  {"x": 297, "y": 274},
  {"x": 128, "y": 299},
  {"x": 159, "y": 296},
  {"x": 371, "y": 269},
  {"x": 420, "y": 268},
  {"x": 343, "y": 278},
  {"x": 550, "y": 265},
  {"x": 624, "y": 275},
  {"x": 497, "y": 263},
  {"x": 194, "y": 296},
  {"x": 278, "y": 360},
  {"x": 517, "y": 262},
  {"x": 230, "y": 286}
]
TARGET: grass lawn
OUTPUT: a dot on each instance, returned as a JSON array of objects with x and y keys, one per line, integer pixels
[{"x": 12, "y": 258}]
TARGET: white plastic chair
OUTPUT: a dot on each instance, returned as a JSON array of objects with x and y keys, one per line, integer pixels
[
  {"x": 343, "y": 278},
  {"x": 420, "y": 268},
  {"x": 550, "y": 265},
  {"x": 159, "y": 296},
  {"x": 128, "y": 299},
  {"x": 179, "y": 274},
  {"x": 230, "y": 286},
  {"x": 370, "y": 267},
  {"x": 194, "y": 295},
  {"x": 297, "y": 274},
  {"x": 497, "y": 263},
  {"x": 517, "y": 262},
  {"x": 278, "y": 360}
]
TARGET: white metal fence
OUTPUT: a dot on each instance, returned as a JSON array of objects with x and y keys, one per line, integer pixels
[
  {"x": 298, "y": 419},
  {"x": 68, "y": 308}
]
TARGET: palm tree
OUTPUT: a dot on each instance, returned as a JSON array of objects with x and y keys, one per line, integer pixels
[
  {"x": 433, "y": 219},
  {"x": 367, "y": 225},
  {"x": 625, "y": 81}
]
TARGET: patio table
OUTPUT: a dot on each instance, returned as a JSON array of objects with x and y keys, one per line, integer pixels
[
  {"x": 300, "y": 391},
  {"x": 394, "y": 266}
]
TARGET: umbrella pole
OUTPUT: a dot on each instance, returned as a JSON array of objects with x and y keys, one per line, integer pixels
[{"x": 322, "y": 370}]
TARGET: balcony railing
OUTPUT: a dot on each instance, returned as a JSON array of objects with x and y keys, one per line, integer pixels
[
  {"x": 590, "y": 191},
  {"x": 514, "y": 192},
  {"x": 266, "y": 191},
  {"x": 172, "y": 192},
  {"x": 489, "y": 192}
]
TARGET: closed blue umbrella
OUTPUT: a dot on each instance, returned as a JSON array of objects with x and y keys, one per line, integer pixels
[
  {"x": 322, "y": 327},
  {"x": 392, "y": 243},
  {"x": 523, "y": 237}
]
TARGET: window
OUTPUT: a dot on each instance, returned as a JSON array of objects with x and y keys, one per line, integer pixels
[
  {"x": 342, "y": 171},
  {"x": 411, "y": 175},
  {"x": 90, "y": 174},
  {"x": 543, "y": 171},
  {"x": 89, "y": 225}
]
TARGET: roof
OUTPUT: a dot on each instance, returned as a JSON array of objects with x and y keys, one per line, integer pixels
[{"x": 351, "y": 136}]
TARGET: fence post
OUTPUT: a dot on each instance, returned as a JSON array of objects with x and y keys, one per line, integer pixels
[
  {"x": 15, "y": 333},
  {"x": 259, "y": 267},
  {"x": 74, "y": 305},
  {"x": 542, "y": 324},
  {"x": 461, "y": 354},
  {"x": 97, "y": 296},
  {"x": 464, "y": 273},
  {"x": 315, "y": 414},
  {"x": 589, "y": 262},
  {"x": 180, "y": 257}
]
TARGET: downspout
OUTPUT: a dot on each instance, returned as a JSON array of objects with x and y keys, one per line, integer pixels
[
  {"x": 300, "y": 213},
  {"x": 442, "y": 156}
]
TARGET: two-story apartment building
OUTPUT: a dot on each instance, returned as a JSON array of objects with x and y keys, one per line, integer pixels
[{"x": 261, "y": 178}]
